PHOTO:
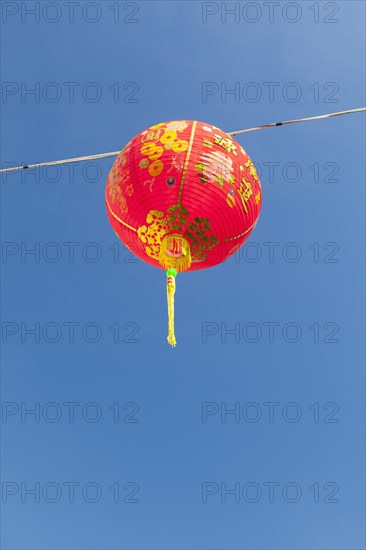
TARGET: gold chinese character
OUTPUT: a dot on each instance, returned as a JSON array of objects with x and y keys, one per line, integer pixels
[
  {"x": 252, "y": 170},
  {"x": 245, "y": 193},
  {"x": 152, "y": 136},
  {"x": 226, "y": 144}
]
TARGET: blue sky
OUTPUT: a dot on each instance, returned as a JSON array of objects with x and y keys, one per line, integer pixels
[{"x": 148, "y": 420}]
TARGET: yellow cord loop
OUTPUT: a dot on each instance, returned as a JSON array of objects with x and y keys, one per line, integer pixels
[{"x": 170, "y": 291}]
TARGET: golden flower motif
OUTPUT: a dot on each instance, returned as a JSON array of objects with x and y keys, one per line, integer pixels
[
  {"x": 177, "y": 125},
  {"x": 152, "y": 234},
  {"x": 122, "y": 205},
  {"x": 129, "y": 189}
]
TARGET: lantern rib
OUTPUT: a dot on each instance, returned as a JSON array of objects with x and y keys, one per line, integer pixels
[
  {"x": 241, "y": 234},
  {"x": 186, "y": 162}
]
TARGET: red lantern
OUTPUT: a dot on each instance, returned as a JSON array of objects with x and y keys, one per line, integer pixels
[{"x": 183, "y": 195}]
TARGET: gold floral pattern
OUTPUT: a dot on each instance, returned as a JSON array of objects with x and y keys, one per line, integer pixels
[
  {"x": 177, "y": 217},
  {"x": 129, "y": 189},
  {"x": 202, "y": 242},
  {"x": 158, "y": 225},
  {"x": 115, "y": 190},
  {"x": 152, "y": 233}
]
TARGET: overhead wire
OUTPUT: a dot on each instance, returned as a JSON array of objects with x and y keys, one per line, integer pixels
[{"x": 235, "y": 133}]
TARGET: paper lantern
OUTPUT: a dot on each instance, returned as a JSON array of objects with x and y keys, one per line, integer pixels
[{"x": 183, "y": 195}]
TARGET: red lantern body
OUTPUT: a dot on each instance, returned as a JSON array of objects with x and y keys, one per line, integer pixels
[{"x": 183, "y": 187}]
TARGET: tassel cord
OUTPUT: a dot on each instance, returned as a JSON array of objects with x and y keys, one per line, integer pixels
[{"x": 170, "y": 291}]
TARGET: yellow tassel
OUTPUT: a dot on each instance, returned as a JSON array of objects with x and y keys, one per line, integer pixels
[
  {"x": 170, "y": 291},
  {"x": 175, "y": 253}
]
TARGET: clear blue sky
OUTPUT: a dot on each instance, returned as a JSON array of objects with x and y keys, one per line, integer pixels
[{"x": 294, "y": 452}]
